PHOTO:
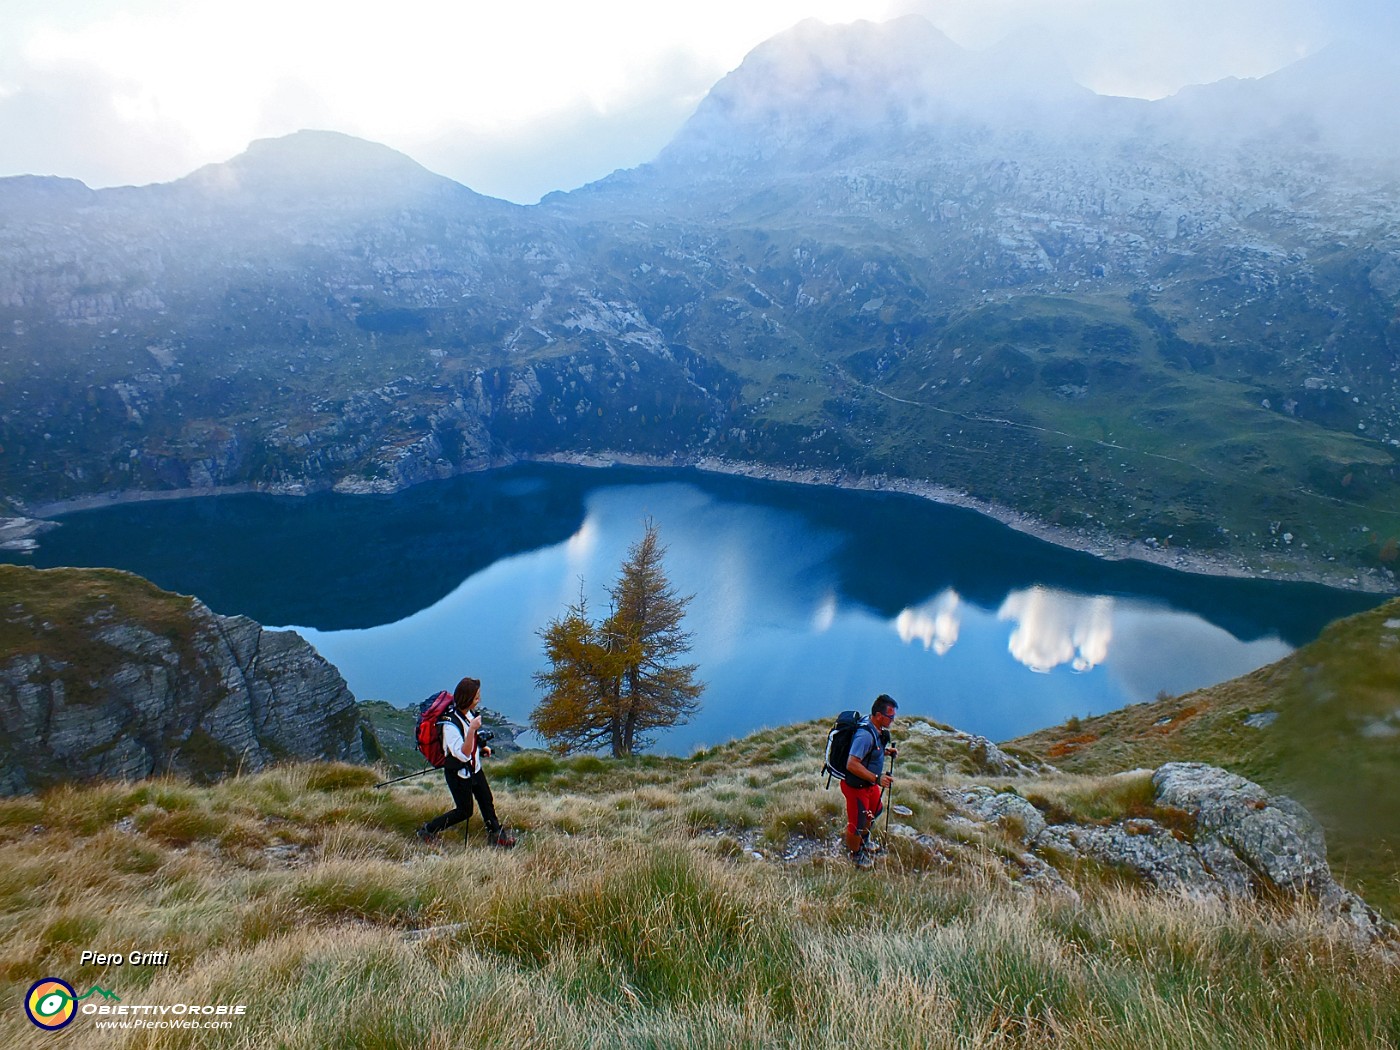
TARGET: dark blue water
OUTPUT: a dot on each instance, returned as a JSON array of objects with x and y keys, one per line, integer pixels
[{"x": 807, "y": 600}]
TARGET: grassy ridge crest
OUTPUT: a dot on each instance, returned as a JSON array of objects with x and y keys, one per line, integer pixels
[
  {"x": 652, "y": 902},
  {"x": 1319, "y": 725}
]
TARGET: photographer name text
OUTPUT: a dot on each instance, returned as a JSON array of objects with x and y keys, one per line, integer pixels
[{"x": 127, "y": 959}]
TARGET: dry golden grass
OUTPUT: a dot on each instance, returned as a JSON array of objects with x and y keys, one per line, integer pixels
[{"x": 631, "y": 915}]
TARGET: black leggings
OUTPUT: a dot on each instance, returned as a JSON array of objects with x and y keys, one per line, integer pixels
[{"x": 463, "y": 791}]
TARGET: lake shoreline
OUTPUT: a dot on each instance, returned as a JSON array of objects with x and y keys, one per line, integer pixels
[{"x": 1100, "y": 544}]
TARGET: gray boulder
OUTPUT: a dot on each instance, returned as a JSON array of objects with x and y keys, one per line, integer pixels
[
  {"x": 1242, "y": 843},
  {"x": 1002, "y": 807},
  {"x": 1145, "y": 847},
  {"x": 1277, "y": 840}
]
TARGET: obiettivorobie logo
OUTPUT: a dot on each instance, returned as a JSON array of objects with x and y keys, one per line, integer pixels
[{"x": 52, "y": 1003}]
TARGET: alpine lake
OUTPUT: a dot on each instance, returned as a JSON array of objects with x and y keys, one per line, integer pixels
[{"x": 807, "y": 600}]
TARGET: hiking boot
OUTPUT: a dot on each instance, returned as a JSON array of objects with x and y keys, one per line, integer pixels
[
  {"x": 861, "y": 859},
  {"x": 428, "y": 838},
  {"x": 500, "y": 838},
  {"x": 873, "y": 848}
]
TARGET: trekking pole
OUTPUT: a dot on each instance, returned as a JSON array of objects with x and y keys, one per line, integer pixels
[
  {"x": 410, "y": 776},
  {"x": 893, "y": 759}
]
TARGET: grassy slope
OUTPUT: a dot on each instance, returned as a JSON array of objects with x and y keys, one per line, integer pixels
[
  {"x": 52, "y": 613},
  {"x": 633, "y": 914},
  {"x": 1332, "y": 744},
  {"x": 1146, "y": 444},
  {"x": 1081, "y": 410}
]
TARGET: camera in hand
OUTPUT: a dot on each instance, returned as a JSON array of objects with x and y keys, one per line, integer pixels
[{"x": 485, "y": 736}]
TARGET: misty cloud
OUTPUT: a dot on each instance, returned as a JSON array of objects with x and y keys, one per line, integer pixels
[
  {"x": 519, "y": 102},
  {"x": 73, "y": 126},
  {"x": 569, "y": 148},
  {"x": 1153, "y": 48}
]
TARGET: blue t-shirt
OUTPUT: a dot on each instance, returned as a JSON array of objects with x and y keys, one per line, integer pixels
[{"x": 867, "y": 749}]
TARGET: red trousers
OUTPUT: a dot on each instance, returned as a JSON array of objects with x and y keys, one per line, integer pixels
[{"x": 863, "y": 805}]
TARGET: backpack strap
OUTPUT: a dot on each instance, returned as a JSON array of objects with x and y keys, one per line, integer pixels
[
  {"x": 452, "y": 716},
  {"x": 874, "y": 738}
]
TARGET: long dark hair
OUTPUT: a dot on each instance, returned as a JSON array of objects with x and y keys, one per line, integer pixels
[{"x": 466, "y": 692}]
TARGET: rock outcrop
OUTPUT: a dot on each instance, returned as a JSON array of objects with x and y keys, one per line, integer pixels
[
  {"x": 984, "y": 756},
  {"x": 1184, "y": 828},
  {"x": 1217, "y": 835},
  {"x": 103, "y": 675}
]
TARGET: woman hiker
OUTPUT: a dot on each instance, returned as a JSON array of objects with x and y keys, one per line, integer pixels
[{"x": 465, "y": 777}]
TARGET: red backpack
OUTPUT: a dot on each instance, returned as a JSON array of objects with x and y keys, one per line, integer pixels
[{"x": 431, "y": 712}]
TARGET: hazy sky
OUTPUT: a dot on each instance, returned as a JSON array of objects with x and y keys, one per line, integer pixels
[{"x": 519, "y": 99}]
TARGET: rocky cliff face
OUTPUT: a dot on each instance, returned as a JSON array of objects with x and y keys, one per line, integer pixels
[{"x": 106, "y": 676}]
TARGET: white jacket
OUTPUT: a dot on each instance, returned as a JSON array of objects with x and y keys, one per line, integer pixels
[{"x": 454, "y": 743}]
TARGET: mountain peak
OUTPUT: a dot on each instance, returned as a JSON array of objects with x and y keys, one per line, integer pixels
[
  {"x": 816, "y": 89},
  {"x": 1342, "y": 98},
  {"x": 328, "y": 165},
  {"x": 857, "y": 70},
  {"x": 315, "y": 145}
]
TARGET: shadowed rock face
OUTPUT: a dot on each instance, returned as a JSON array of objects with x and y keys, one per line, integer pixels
[{"x": 109, "y": 694}]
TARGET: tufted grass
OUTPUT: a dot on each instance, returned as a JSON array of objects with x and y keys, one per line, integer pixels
[{"x": 633, "y": 915}]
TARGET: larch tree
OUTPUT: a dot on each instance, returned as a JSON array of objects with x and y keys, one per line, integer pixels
[
  {"x": 579, "y": 707},
  {"x": 612, "y": 684}
]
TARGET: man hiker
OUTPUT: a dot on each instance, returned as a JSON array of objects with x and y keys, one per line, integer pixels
[
  {"x": 463, "y": 751},
  {"x": 866, "y": 779}
]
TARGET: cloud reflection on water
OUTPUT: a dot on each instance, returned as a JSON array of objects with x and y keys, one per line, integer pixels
[
  {"x": 936, "y": 623},
  {"x": 1054, "y": 628},
  {"x": 579, "y": 547}
]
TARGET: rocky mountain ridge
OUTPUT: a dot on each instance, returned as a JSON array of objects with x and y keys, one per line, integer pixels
[
  {"x": 866, "y": 254},
  {"x": 107, "y": 677}
]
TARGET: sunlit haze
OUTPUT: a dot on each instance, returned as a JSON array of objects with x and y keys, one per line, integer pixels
[{"x": 518, "y": 100}]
